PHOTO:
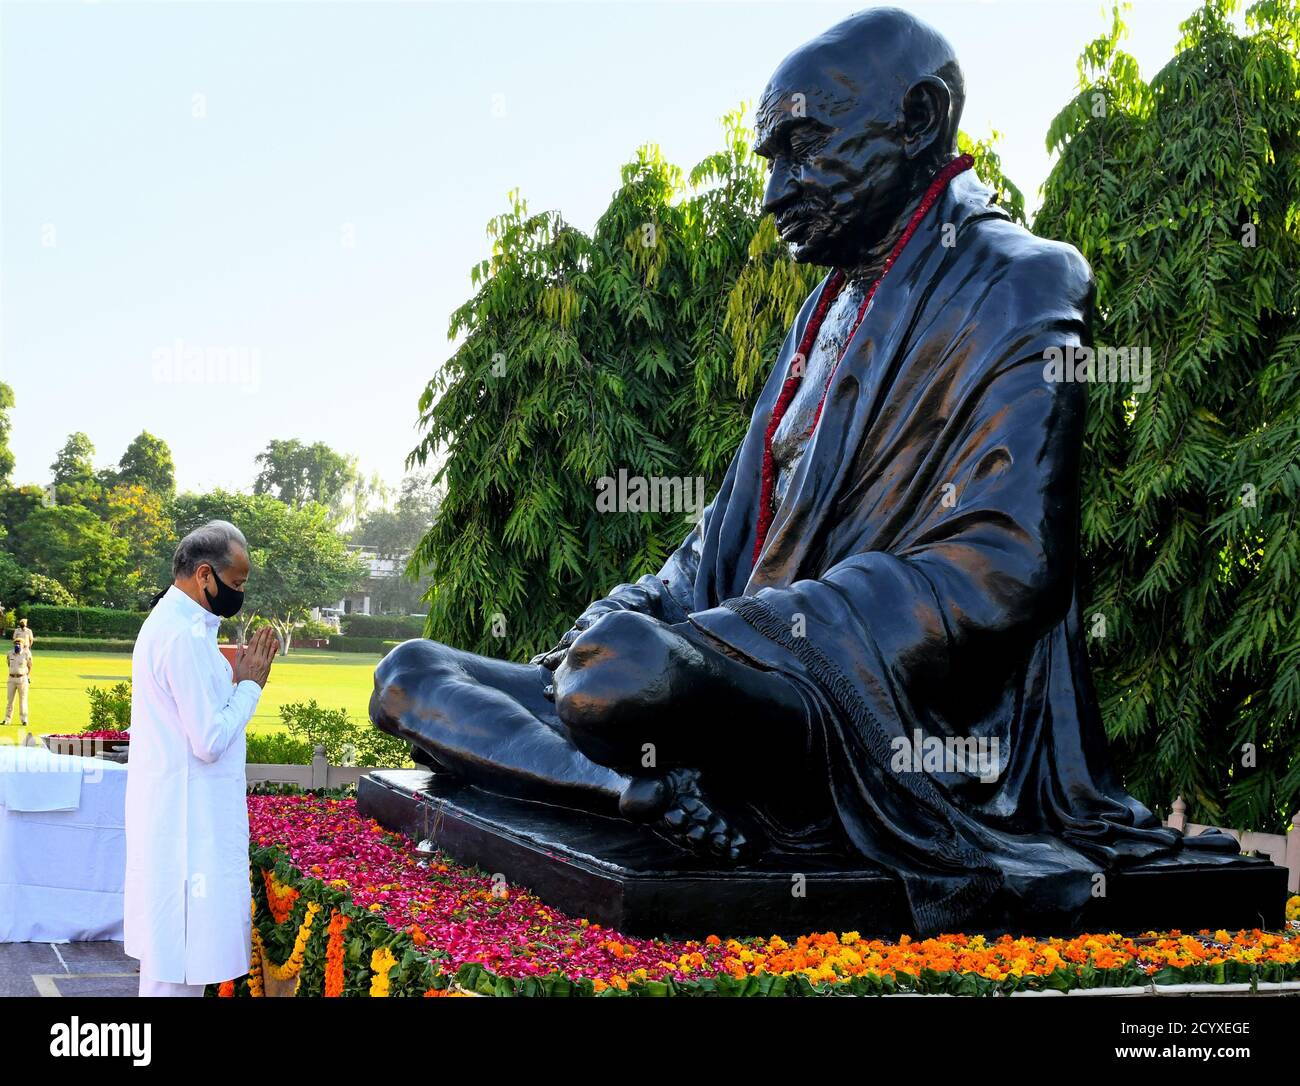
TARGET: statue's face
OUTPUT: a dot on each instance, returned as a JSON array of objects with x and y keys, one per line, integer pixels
[{"x": 839, "y": 172}]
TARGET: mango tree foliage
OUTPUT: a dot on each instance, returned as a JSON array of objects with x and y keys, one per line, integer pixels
[{"x": 1184, "y": 194}]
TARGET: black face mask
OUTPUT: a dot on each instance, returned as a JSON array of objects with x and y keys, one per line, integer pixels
[{"x": 226, "y": 602}]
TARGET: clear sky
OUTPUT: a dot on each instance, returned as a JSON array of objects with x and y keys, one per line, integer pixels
[{"x": 297, "y": 191}]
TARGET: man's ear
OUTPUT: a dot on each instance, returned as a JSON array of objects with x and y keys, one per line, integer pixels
[{"x": 925, "y": 114}]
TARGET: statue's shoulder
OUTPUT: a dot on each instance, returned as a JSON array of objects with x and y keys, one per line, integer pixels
[{"x": 1038, "y": 267}]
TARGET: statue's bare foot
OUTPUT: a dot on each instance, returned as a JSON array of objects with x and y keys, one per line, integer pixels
[{"x": 675, "y": 808}]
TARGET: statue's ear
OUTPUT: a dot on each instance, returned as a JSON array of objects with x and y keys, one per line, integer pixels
[{"x": 925, "y": 114}]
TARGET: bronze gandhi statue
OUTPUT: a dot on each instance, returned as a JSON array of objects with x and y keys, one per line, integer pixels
[{"x": 887, "y": 572}]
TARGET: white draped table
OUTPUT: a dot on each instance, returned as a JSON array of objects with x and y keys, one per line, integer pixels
[{"x": 62, "y": 846}]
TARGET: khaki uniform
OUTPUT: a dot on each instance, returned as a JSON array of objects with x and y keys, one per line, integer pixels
[
  {"x": 24, "y": 634},
  {"x": 20, "y": 669}
]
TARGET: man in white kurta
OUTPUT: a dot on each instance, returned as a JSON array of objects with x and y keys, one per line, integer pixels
[{"x": 187, "y": 897}]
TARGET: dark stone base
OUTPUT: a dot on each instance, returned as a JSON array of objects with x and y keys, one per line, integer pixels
[{"x": 625, "y": 877}]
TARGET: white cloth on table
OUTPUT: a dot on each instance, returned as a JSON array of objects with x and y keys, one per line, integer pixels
[
  {"x": 36, "y": 779},
  {"x": 61, "y": 868},
  {"x": 188, "y": 901}
]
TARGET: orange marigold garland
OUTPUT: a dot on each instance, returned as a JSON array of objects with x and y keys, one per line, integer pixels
[
  {"x": 255, "y": 967},
  {"x": 280, "y": 899},
  {"x": 334, "y": 955},
  {"x": 292, "y": 968}
]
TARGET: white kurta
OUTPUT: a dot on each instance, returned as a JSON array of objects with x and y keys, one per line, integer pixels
[{"x": 187, "y": 899}]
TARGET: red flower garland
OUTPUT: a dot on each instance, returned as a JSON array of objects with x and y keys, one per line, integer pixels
[{"x": 766, "y": 511}]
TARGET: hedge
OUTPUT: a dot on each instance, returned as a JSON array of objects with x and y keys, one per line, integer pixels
[
  {"x": 362, "y": 644},
  {"x": 401, "y": 627},
  {"x": 46, "y": 619},
  {"x": 82, "y": 644}
]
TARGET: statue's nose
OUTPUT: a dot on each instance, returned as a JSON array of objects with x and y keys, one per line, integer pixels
[{"x": 782, "y": 187}]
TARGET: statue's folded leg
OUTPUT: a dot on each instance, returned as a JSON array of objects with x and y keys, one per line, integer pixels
[
  {"x": 666, "y": 705},
  {"x": 634, "y": 691},
  {"x": 489, "y": 721}
]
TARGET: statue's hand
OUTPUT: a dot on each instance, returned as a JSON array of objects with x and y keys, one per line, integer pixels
[{"x": 552, "y": 658}]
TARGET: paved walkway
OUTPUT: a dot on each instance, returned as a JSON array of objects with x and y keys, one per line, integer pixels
[{"x": 67, "y": 969}]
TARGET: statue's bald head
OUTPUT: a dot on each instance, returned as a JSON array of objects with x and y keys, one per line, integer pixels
[{"x": 855, "y": 123}]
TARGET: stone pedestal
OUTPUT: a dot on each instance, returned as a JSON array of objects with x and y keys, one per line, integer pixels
[{"x": 625, "y": 877}]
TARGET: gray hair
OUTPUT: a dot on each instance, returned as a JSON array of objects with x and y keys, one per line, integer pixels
[{"x": 210, "y": 543}]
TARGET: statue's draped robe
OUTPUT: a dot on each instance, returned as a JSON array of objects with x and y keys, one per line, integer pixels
[{"x": 920, "y": 577}]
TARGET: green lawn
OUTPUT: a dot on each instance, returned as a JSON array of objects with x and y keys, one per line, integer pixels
[{"x": 58, "y": 702}]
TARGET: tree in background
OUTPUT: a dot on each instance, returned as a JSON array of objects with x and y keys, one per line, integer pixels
[
  {"x": 362, "y": 495},
  {"x": 299, "y": 560},
  {"x": 12, "y": 582},
  {"x": 74, "y": 547},
  {"x": 299, "y": 474},
  {"x": 1184, "y": 194},
  {"x": 6, "y": 453},
  {"x": 19, "y": 588},
  {"x": 147, "y": 463},
  {"x": 394, "y": 534},
  {"x": 73, "y": 467},
  {"x": 106, "y": 538},
  {"x": 636, "y": 349},
  {"x": 141, "y": 518},
  {"x": 119, "y": 562}
]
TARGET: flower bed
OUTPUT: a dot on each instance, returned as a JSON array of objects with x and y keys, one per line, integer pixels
[{"x": 343, "y": 907}]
